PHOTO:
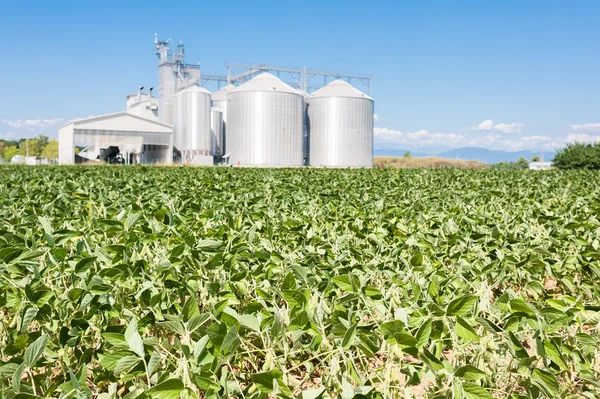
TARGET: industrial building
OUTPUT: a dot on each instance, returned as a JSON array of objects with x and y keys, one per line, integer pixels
[{"x": 256, "y": 119}]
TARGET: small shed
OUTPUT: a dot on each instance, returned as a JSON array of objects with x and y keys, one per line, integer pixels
[{"x": 540, "y": 165}]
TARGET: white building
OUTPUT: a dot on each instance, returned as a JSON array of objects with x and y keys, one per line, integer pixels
[
  {"x": 540, "y": 165},
  {"x": 122, "y": 137}
]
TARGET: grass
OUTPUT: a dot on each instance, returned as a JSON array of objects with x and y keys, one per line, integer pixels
[{"x": 427, "y": 162}]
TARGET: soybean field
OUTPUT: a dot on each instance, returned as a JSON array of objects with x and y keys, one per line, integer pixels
[{"x": 169, "y": 282}]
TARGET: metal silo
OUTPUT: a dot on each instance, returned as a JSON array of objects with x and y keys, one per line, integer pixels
[
  {"x": 341, "y": 126},
  {"x": 216, "y": 128},
  {"x": 219, "y": 99},
  {"x": 191, "y": 124},
  {"x": 305, "y": 131},
  {"x": 265, "y": 123}
]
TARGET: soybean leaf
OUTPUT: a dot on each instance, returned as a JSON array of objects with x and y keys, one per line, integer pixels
[
  {"x": 35, "y": 350},
  {"x": 469, "y": 372},
  {"x": 133, "y": 338},
  {"x": 465, "y": 331},
  {"x": 349, "y": 336},
  {"x": 461, "y": 306},
  {"x": 424, "y": 333},
  {"x": 473, "y": 391},
  {"x": 546, "y": 381}
]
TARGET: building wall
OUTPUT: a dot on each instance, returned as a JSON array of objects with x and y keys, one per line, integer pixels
[{"x": 66, "y": 145}]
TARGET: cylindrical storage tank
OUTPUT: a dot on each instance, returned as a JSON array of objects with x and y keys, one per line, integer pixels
[
  {"x": 216, "y": 128},
  {"x": 341, "y": 126},
  {"x": 265, "y": 123},
  {"x": 219, "y": 99},
  {"x": 191, "y": 121}
]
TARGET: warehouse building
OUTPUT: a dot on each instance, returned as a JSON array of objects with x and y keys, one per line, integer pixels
[{"x": 116, "y": 138}]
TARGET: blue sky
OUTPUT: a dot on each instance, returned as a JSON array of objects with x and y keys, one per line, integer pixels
[{"x": 499, "y": 74}]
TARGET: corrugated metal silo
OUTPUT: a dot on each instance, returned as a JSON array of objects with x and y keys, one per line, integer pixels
[
  {"x": 265, "y": 123},
  {"x": 341, "y": 126},
  {"x": 191, "y": 124},
  {"x": 216, "y": 127},
  {"x": 219, "y": 99}
]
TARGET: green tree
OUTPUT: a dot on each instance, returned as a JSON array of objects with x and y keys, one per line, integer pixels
[
  {"x": 522, "y": 162},
  {"x": 535, "y": 158},
  {"x": 10, "y": 152},
  {"x": 578, "y": 156},
  {"x": 407, "y": 154},
  {"x": 51, "y": 150}
]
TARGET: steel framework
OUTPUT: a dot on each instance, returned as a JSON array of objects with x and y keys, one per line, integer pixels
[{"x": 237, "y": 74}]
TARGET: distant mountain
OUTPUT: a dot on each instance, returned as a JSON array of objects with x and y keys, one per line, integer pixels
[
  {"x": 491, "y": 156},
  {"x": 469, "y": 153}
]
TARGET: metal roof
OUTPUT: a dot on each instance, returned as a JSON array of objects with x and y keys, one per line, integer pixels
[
  {"x": 193, "y": 89},
  {"x": 221, "y": 94},
  {"x": 339, "y": 88},
  {"x": 265, "y": 82},
  {"x": 120, "y": 121}
]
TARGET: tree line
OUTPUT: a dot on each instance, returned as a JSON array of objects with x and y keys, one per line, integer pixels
[{"x": 41, "y": 147}]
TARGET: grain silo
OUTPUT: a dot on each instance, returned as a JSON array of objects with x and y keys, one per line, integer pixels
[
  {"x": 216, "y": 129},
  {"x": 341, "y": 126},
  {"x": 219, "y": 99},
  {"x": 191, "y": 124},
  {"x": 265, "y": 123}
]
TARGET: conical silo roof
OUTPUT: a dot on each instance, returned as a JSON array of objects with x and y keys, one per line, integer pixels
[
  {"x": 221, "y": 94},
  {"x": 339, "y": 88},
  {"x": 265, "y": 82},
  {"x": 194, "y": 89}
]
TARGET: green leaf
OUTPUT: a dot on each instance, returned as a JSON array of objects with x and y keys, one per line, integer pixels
[
  {"x": 208, "y": 245},
  {"x": 417, "y": 260},
  {"x": 461, "y": 306},
  {"x": 349, "y": 336},
  {"x": 424, "y": 333},
  {"x": 8, "y": 370},
  {"x": 190, "y": 309},
  {"x": 465, "y": 331},
  {"x": 195, "y": 322},
  {"x": 231, "y": 341},
  {"x": 264, "y": 381},
  {"x": 393, "y": 330},
  {"x": 109, "y": 361},
  {"x": 45, "y": 222},
  {"x": 473, "y": 391},
  {"x": 35, "y": 350},
  {"x": 169, "y": 389},
  {"x": 133, "y": 338},
  {"x": 469, "y": 372},
  {"x": 153, "y": 362},
  {"x": 28, "y": 317},
  {"x": 343, "y": 282},
  {"x": 520, "y": 306},
  {"x": 546, "y": 381},
  {"x": 126, "y": 363},
  {"x": 250, "y": 321},
  {"x": 554, "y": 354},
  {"x": 433, "y": 362},
  {"x": 16, "y": 378}
]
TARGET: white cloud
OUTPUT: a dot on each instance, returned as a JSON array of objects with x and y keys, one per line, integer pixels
[
  {"x": 582, "y": 138},
  {"x": 21, "y": 128},
  {"x": 485, "y": 125},
  {"x": 587, "y": 127},
  {"x": 510, "y": 127},
  {"x": 489, "y": 125},
  {"x": 375, "y": 117}
]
